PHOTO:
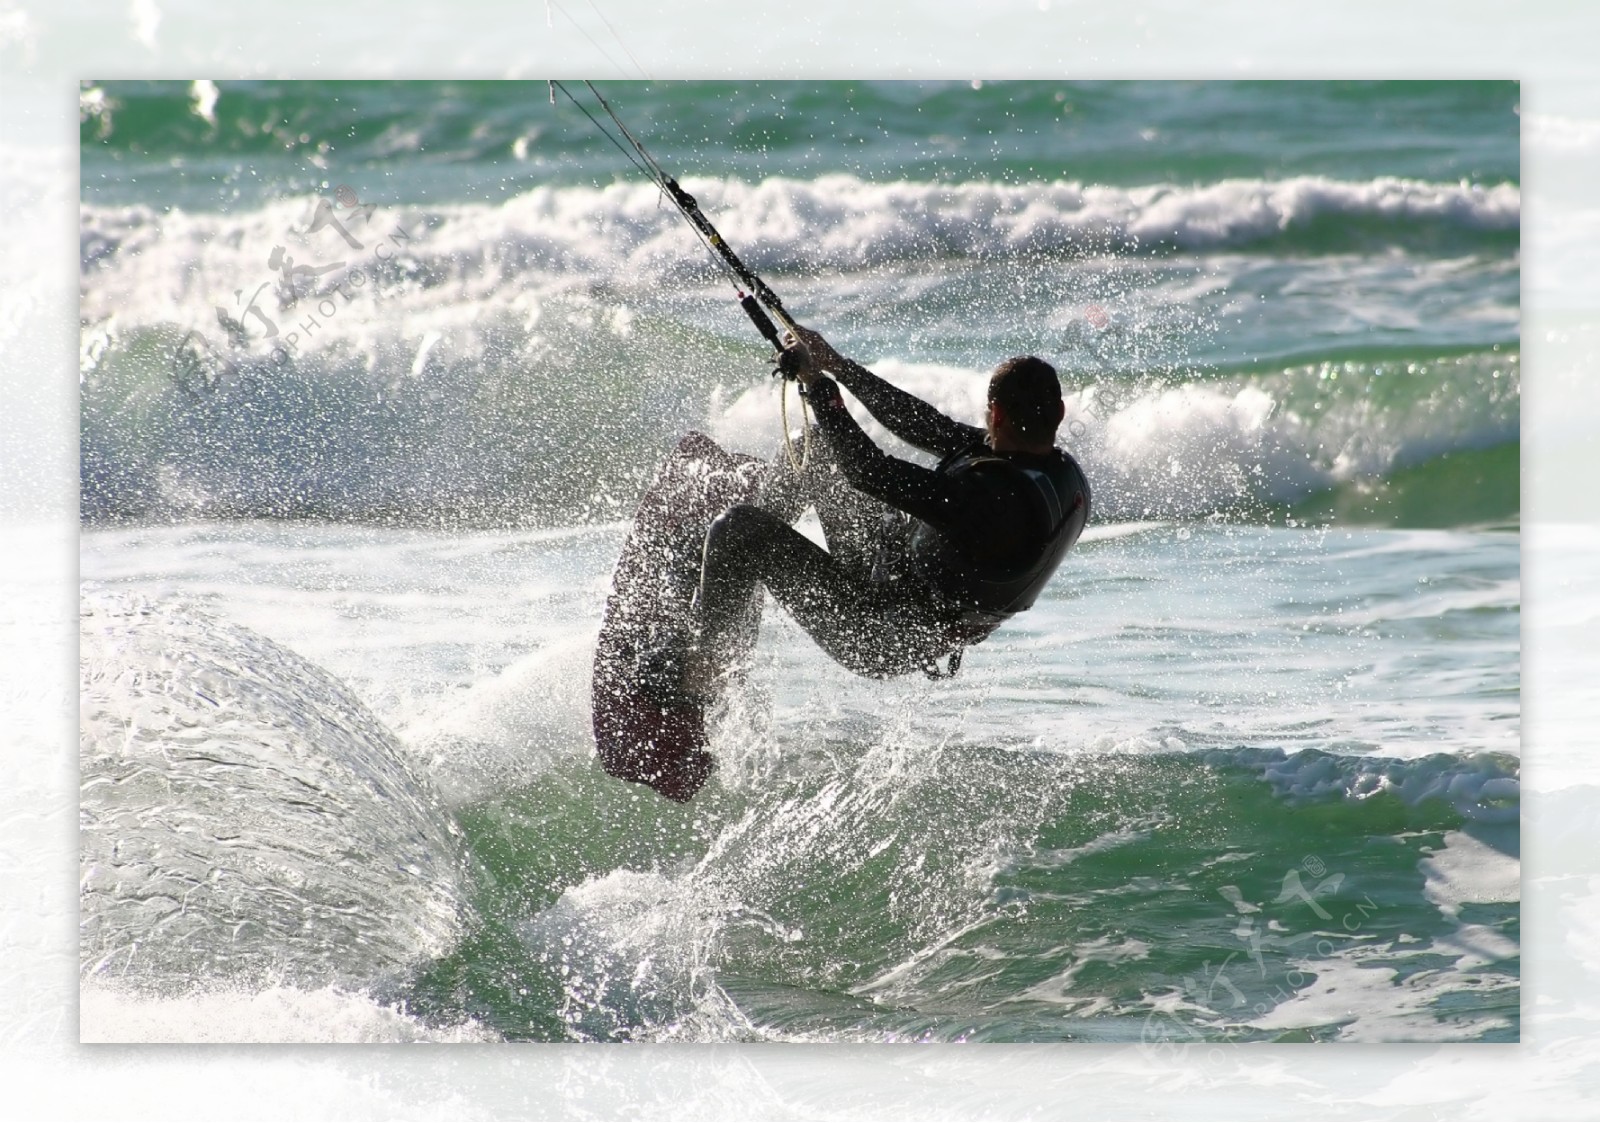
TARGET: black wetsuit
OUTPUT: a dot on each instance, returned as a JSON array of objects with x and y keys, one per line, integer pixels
[{"x": 921, "y": 561}]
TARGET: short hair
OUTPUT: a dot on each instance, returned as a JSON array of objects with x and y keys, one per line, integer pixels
[{"x": 1029, "y": 392}]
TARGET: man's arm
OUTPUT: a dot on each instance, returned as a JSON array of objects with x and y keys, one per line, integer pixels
[
  {"x": 905, "y": 415},
  {"x": 918, "y": 491}
]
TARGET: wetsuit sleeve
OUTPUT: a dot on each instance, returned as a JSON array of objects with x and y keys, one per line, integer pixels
[
  {"x": 905, "y": 415},
  {"x": 918, "y": 491}
]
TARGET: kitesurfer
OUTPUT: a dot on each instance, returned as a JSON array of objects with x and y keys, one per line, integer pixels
[{"x": 921, "y": 562}]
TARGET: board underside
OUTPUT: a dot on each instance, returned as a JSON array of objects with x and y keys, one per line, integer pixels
[{"x": 649, "y": 616}]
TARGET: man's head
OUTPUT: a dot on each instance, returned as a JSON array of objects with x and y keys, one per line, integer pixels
[{"x": 1025, "y": 398}]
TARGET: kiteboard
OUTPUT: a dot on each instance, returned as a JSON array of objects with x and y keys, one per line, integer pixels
[{"x": 645, "y": 730}]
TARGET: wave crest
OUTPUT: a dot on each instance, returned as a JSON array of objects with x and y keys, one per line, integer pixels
[{"x": 244, "y": 819}]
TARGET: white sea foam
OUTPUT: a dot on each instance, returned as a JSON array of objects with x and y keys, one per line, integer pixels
[
  {"x": 1373, "y": 1003},
  {"x": 503, "y": 731},
  {"x": 142, "y": 266},
  {"x": 633, "y": 953},
  {"x": 1469, "y": 870}
]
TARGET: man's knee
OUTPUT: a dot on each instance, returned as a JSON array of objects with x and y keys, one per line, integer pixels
[
  {"x": 742, "y": 531},
  {"x": 739, "y": 522}
]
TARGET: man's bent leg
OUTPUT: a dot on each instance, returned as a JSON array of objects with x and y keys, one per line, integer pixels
[{"x": 840, "y": 609}]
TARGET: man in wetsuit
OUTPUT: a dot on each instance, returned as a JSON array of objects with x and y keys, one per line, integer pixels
[{"x": 921, "y": 562}]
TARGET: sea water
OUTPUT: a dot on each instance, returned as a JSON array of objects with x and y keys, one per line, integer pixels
[{"x": 372, "y": 374}]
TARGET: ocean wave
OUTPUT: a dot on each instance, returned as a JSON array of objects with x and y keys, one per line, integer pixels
[
  {"x": 1485, "y": 788},
  {"x": 840, "y": 221},
  {"x": 834, "y": 221},
  {"x": 522, "y": 363},
  {"x": 765, "y": 936},
  {"x": 557, "y": 428},
  {"x": 245, "y": 820}
]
